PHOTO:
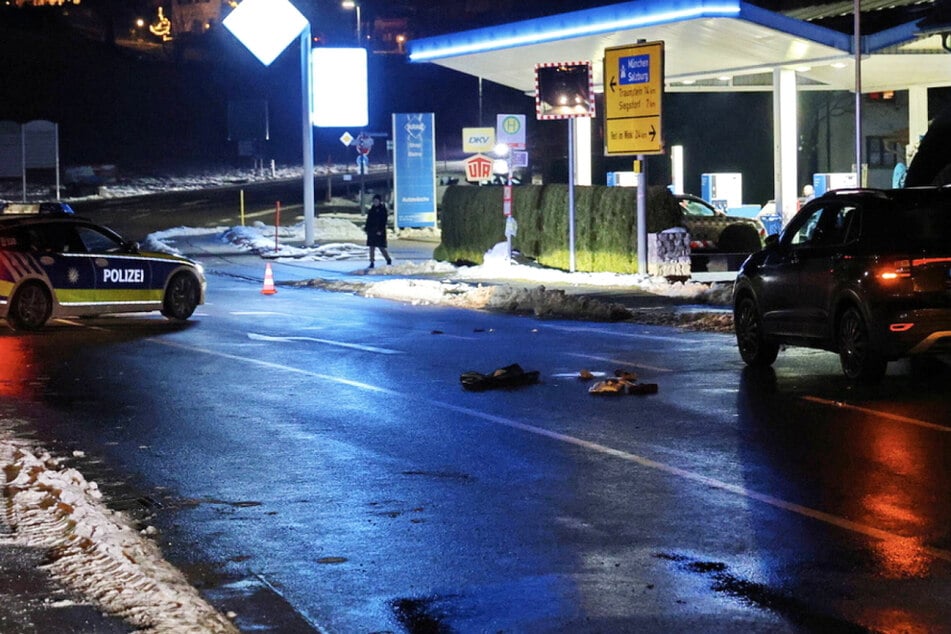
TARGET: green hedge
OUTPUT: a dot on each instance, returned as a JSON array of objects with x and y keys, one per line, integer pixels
[{"x": 605, "y": 224}]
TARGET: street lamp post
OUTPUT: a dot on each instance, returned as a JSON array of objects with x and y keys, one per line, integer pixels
[{"x": 352, "y": 4}]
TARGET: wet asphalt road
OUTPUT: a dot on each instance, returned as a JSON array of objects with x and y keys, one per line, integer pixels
[{"x": 312, "y": 463}]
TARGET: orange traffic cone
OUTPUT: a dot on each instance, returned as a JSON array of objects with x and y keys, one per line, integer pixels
[{"x": 268, "y": 281}]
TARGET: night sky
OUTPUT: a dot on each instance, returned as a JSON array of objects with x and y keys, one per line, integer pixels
[{"x": 169, "y": 111}]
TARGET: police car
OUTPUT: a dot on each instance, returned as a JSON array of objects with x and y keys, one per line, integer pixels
[{"x": 60, "y": 265}]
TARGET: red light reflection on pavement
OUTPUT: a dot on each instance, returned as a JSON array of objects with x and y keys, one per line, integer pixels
[
  {"x": 17, "y": 373},
  {"x": 894, "y": 507}
]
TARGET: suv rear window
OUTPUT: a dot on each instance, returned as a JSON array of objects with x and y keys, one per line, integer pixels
[{"x": 923, "y": 225}]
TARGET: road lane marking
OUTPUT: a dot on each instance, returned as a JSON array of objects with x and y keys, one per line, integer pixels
[
  {"x": 330, "y": 342},
  {"x": 792, "y": 507},
  {"x": 619, "y": 362},
  {"x": 898, "y": 418}
]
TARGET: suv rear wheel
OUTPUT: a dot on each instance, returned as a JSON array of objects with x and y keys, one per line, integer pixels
[
  {"x": 860, "y": 362},
  {"x": 748, "y": 324}
]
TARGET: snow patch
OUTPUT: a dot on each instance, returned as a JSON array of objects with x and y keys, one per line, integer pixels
[{"x": 94, "y": 550}]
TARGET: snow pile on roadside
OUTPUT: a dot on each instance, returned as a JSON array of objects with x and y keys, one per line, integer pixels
[
  {"x": 420, "y": 234},
  {"x": 260, "y": 239},
  {"x": 537, "y": 301},
  {"x": 497, "y": 266},
  {"x": 96, "y": 551},
  {"x": 163, "y": 241}
]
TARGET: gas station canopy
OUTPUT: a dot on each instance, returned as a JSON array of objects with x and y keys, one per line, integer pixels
[
  {"x": 715, "y": 46},
  {"x": 721, "y": 46}
]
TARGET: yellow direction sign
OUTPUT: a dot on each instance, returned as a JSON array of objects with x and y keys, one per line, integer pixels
[{"x": 633, "y": 91}]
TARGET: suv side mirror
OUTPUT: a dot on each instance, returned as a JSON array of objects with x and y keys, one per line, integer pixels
[{"x": 130, "y": 247}]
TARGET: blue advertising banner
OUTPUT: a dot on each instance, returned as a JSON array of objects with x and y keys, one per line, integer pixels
[{"x": 414, "y": 169}]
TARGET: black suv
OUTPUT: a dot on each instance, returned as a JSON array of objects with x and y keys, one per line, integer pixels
[{"x": 865, "y": 273}]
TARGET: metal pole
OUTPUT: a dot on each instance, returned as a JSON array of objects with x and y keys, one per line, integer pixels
[
  {"x": 56, "y": 135},
  {"x": 23, "y": 159},
  {"x": 571, "y": 195},
  {"x": 480, "y": 101},
  {"x": 277, "y": 225},
  {"x": 857, "y": 44},
  {"x": 361, "y": 159},
  {"x": 307, "y": 131},
  {"x": 642, "y": 215},
  {"x": 359, "y": 27},
  {"x": 508, "y": 184}
]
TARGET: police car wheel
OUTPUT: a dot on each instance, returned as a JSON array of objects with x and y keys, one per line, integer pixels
[
  {"x": 181, "y": 297},
  {"x": 31, "y": 307}
]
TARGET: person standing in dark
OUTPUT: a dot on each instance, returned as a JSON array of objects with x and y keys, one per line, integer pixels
[{"x": 376, "y": 230}]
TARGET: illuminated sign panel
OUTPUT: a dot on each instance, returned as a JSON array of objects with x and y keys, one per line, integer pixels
[
  {"x": 478, "y": 168},
  {"x": 339, "y": 87},
  {"x": 478, "y": 139},
  {"x": 265, "y": 27},
  {"x": 510, "y": 130},
  {"x": 414, "y": 169},
  {"x": 633, "y": 95}
]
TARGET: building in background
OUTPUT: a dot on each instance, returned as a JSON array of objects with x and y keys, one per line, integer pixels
[{"x": 195, "y": 16}]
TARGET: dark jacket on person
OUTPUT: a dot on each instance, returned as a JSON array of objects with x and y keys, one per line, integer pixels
[{"x": 376, "y": 225}]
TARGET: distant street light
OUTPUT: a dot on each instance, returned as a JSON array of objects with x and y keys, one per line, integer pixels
[{"x": 352, "y": 4}]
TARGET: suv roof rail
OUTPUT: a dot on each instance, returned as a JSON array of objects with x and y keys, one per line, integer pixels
[{"x": 853, "y": 191}]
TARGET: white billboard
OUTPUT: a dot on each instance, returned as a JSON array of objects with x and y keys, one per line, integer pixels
[{"x": 339, "y": 87}]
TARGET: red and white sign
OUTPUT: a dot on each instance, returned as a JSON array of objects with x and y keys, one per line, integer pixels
[
  {"x": 478, "y": 168},
  {"x": 507, "y": 200},
  {"x": 364, "y": 143}
]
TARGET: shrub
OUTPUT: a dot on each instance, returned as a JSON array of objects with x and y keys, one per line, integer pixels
[{"x": 605, "y": 224}]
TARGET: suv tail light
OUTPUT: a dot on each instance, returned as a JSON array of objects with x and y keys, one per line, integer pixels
[{"x": 894, "y": 270}]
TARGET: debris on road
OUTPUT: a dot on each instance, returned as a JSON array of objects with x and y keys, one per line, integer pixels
[
  {"x": 506, "y": 377},
  {"x": 624, "y": 382}
]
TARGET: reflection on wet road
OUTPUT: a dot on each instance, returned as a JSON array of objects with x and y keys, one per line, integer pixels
[{"x": 317, "y": 449}]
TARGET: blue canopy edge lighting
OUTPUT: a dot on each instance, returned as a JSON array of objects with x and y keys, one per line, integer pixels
[
  {"x": 612, "y": 18},
  {"x": 615, "y": 17}
]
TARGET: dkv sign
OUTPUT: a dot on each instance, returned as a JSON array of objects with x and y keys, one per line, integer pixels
[
  {"x": 478, "y": 140},
  {"x": 478, "y": 168}
]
